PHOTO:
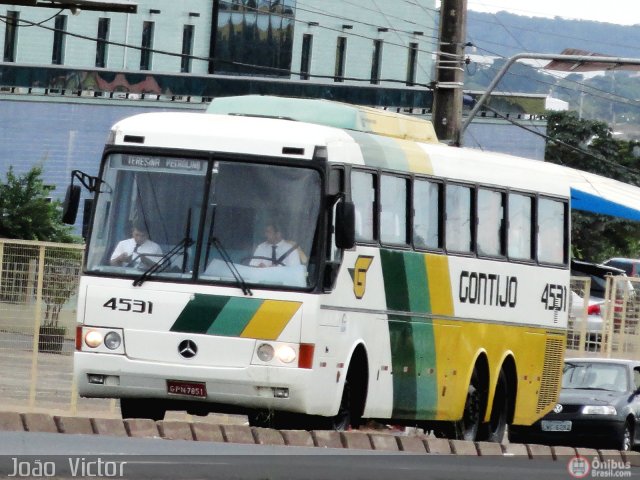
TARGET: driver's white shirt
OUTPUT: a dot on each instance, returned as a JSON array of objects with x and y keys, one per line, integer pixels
[
  {"x": 129, "y": 245},
  {"x": 264, "y": 252}
]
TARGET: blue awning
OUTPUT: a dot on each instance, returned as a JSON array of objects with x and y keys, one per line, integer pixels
[{"x": 589, "y": 202}]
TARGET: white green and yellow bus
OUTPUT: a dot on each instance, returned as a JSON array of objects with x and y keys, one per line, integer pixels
[{"x": 429, "y": 287}]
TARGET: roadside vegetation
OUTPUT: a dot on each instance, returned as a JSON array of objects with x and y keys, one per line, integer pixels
[
  {"x": 590, "y": 145},
  {"x": 27, "y": 211}
]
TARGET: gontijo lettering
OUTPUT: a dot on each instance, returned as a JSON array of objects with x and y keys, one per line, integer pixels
[{"x": 488, "y": 289}]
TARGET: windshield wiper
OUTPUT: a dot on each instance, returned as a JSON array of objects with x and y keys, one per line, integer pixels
[
  {"x": 164, "y": 261},
  {"x": 230, "y": 265}
]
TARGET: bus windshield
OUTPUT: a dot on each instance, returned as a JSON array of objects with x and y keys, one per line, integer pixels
[{"x": 252, "y": 223}]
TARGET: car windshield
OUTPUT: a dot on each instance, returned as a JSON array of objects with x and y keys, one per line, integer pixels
[
  {"x": 161, "y": 216},
  {"x": 595, "y": 376}
]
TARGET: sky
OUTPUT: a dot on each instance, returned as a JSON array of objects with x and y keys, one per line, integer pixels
[{"x": 623, "y": 12}]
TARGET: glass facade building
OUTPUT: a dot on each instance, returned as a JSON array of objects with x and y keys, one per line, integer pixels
[{"x": 255, "y": 37}]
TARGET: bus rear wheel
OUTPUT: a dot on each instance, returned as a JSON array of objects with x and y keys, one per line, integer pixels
[
  {"x": 468, "y": 426},
  {"x": 151, "y": 409},
  {"x": 495, "y": 428}
]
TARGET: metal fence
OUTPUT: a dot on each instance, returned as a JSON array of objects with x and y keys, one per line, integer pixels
[
  {"x": 606, "y": 327},
  {"x": 38, "y": 290}
]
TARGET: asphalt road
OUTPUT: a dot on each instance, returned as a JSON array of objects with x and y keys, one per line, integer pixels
[{"x": 75, "y": 456}]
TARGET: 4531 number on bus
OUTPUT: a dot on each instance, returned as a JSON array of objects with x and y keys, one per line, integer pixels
[
  {"x": 554, "y": 297},
  {"x": 129, "y": 305}
]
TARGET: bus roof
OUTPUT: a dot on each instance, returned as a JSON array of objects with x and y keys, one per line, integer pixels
[{"x": 329, "y": 113}]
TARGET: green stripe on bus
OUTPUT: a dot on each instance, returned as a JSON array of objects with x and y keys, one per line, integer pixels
[
  {"x": 235, "y": 316},
  {"x": 417, "y": 283},
  {"x": 414, "y": 369},
  {"x": 427, "y": 379},
  {"x": 395, "y": 280},
  {"x": 198, "y": 315},
  {"x": 402, "y": 368}
]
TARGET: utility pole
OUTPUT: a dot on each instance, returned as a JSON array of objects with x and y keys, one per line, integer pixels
[{"x": 447, "y": 98}]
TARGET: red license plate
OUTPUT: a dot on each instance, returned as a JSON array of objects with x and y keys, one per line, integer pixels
[{"x": 189, "y": 389}]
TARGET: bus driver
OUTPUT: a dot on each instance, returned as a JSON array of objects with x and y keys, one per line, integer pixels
[
  {"x": 135, "y": 251},
  {"x": 275, "y": 250}
]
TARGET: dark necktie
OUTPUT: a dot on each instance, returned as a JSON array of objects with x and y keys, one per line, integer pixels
[{"x": 274, "y": 258}]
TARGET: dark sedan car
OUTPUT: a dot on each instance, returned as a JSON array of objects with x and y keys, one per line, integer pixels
[{"x": 599, "y": 407}]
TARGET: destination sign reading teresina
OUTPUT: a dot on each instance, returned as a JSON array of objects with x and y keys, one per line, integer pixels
[{"x": 162, "y": 163}]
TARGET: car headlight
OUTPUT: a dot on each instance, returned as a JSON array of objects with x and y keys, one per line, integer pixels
[{"x": 599, "y": 410}]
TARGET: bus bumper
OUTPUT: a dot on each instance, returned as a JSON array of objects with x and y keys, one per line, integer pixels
[{"x": 253, "y": 387}]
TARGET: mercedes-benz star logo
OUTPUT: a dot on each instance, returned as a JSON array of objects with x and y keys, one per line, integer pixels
[
  {"x": 557, "y": 408},
  {"x": 188, "y": 348}
]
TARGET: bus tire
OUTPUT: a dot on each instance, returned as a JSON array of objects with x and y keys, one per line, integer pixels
[
  {"x": 468, "y": 426},
  {"x": 494, "y": 430},
  {"x": 354, "y": 394},
  {"x": 148, "y": 408}
]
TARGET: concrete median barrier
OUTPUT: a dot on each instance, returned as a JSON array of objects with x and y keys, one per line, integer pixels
[{"x": 352, "y": 440}]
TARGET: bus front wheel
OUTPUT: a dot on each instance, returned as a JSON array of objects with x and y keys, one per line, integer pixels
[
  {"x": 468, "y": 426},
  {"x": 354, "y": 394}
]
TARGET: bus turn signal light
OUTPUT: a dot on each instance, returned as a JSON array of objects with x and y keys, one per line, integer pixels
[{"x": 305, "y": 357}]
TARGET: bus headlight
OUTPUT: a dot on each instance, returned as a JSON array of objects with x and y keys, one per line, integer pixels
[
  {"x": 286, "y": 353},
  {"x": 265, "y": 352},
  {"x": 112, "y": 340},
  {"x": 93, "y": 339},
  {"x": 100, "y": 340}
]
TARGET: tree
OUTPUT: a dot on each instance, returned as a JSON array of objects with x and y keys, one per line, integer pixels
[
  {"x": 589, "y": 145},
  {"x": 27, "y": 212}
]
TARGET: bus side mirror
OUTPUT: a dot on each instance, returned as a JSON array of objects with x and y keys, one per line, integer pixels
[
  {"x": 70, "y": 204},
  {"x": 345, "y": 225}
]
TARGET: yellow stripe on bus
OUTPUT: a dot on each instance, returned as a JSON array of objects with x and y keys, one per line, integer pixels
[
  {"x": 417, "y": 159},
  {"x": 439, "y": 284},
  {"x": 270, "y": 319}
]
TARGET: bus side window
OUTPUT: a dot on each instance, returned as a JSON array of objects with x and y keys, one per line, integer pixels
[
  {"x": 551, "y": 230},
  {"x": 490, "y": 222},
  {"x": 520, "y": 226},
  {"x": 363, "y": 195},
  {"x": 393, "y": 210},
  {"x": 426, "y": 214},
  {"x": 458, "y": 235}
]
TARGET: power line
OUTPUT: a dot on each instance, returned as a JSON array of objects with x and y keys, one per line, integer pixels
[
  {"x": 346, "y": 19},
  {"x": 551, "y": 139},
  {"x": 420, "y": 65},
  {"x": 609, "y": 95},
  {"x": 549, "y": 33},
  {"x": 590, "y": 89},
  {"x": 214, "y": 59},
  {"x": 13, "y": 21}
]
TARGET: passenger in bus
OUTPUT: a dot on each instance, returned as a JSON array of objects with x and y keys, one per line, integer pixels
[
  {"x": 275, "y": 251},
  {"x": 138, "y": 251}
]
